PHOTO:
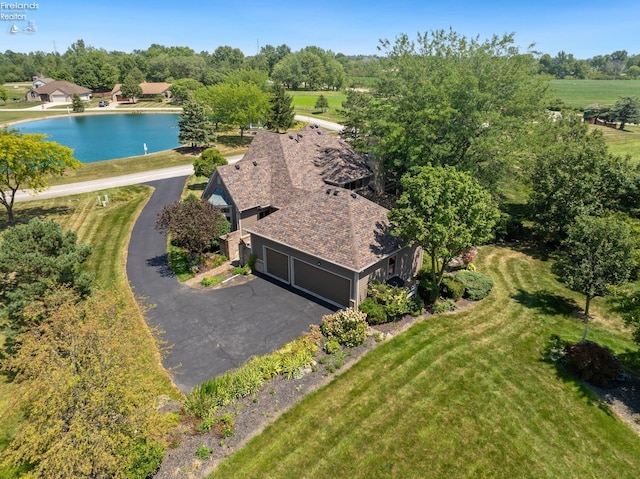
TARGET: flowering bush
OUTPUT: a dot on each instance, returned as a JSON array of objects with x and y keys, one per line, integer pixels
[{"x": 348, "y": 327}]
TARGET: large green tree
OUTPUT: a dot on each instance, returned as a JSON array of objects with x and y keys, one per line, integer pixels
[
  {"x": 597, "y": 254},
  {"x": 281, "y": 115},
  {"x": 195, "y": 127},
  {"x": 443, "y": 210},
  {"x": 575, "y": 175},
  {"x": 626, "y": 110},
  {"x": 28, "y": 161},
  {"x": 131, "y": 88},
  {"x": 448, "y": 100},
  {"x": 36, "y": 258},
  {"x": 84, "y": 391},
  {"x": 236, "y": 105}
]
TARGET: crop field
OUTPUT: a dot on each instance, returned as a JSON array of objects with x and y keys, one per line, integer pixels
[{"x": 581, "y": 93}]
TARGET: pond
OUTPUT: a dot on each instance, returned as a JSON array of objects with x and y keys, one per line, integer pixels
[{"x": 109, "y": 136}]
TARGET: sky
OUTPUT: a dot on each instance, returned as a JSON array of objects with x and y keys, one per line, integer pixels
[{"x": 584, "y": 28}]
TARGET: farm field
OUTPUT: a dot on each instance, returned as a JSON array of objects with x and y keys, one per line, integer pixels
[
  {"x": 460, "y": 395},
  {"x": 581, "y": 93}
]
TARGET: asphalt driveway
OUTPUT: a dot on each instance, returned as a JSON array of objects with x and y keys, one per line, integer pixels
[{"x": 209, "y": 332}]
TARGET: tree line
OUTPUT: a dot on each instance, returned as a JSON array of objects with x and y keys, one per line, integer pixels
[{"x": 311, "y": 67}]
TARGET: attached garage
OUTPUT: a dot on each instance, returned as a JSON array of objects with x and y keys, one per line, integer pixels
[
  {"x": 277, "y": 264},
  {"x": 322, "y": 283}
]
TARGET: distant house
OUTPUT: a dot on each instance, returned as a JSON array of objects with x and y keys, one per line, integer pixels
[
  {"x": 38, "y": 82},
  {"x": 292, "y": 202},
  {"x": 149, "y": 90},
  {"x": 57, "y": 91}
]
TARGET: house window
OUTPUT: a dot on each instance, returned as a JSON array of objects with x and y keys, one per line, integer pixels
[{"x": 391, "y": 270}]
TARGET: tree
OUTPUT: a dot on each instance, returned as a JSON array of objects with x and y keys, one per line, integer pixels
[
  {"x": 443, "y": 210},
  {"x": 575, "y": 175},
  {"x": 77, "y": 103},
  {"x": 597, "y": 254},
  {"x": 355, "y": 109},
  {"x": 448, "y": 100},
  {"x": 192, "y": 224},
  {"x": 131, "y": 88},
  {"x": 236, "y": 105},
  {"x": 27, "y": 161},
  {"x": 626, "y": 110},
  {"x": 207, "y": 162},
  {"x": 4, "y": 95},
  {"x": 281, "y": 116},
  {"x": 36, "y": 258},
  {"x": 321, "y": 103},
  {"x": 195, "y": 127},
  {"x": 182, "y": 90},
  {"x": 89, "y": 408}
]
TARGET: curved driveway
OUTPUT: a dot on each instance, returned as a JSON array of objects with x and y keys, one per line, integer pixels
[{"x": 208, "y": 332}]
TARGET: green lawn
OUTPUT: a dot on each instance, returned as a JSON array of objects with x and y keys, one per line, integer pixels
[
  {"x": 623, "y": 143},
  {"x": 108, "y": 230},
  {"x": 304, "y": 101},
  {"x": 459, "y": 396},
  {"x": 581, "y": 93}
]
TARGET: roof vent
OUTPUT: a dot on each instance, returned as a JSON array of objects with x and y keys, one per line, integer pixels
[
  {"x": 299, "y": 135},
  {"x": 335, "y": 193},
  {"x": 354, "y": 196},
  {"x": 328, "y": 191},
  {"x": 319, "y": 132},
  {"x": 255, "y": 163},
  {"x": 291, "y": 137},
  {"x": 237, "y": 167}
]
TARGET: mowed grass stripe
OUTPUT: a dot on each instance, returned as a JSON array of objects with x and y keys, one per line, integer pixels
[{"x": 461, "y": 395}]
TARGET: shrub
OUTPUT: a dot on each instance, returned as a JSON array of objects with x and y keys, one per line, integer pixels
[
  {"x": 426, "y": 289},
  {"x": 555, "y": 350},
  {"x": 416, "y": 308},
  {"x": 445, "y": 306},
  {"x": 241, "y": 270},
  {"x": 450, "y": 288},
  {"x": 592, "y": 362},
  {"x": 331, "y": 346},
  {"x": 207, "y": 162},
  {"x": 394, "y": 299},
  {"x": 348, "y": 327},
  {"x": 211, "y": 281},
  {"x": 146, "y": 460},
  {"x": 252, "y": 261},
  {"x": 224, "y": 426},
  {"x": 203, "y": 453},
  {"x": 476, "y": 285},
  {"x": 375, "y": 311}
]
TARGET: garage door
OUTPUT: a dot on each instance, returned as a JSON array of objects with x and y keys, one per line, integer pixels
[
  {"x": 277, "y": 264},
  {"x": 321, "y": 283}
]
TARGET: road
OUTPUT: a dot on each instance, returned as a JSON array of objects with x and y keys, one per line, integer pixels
[{"x": 137, "y": 178}]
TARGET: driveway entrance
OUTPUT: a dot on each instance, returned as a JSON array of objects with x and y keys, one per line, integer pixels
[{"x": 209, "y": 332}]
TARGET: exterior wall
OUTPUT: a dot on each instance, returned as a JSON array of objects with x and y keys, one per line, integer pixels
[
  {"x": 408, "y": 263},
  {"x": 230, "y": 245}
]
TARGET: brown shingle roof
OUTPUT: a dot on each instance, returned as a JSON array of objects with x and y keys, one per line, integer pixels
[
  {"x": 333, "y": 224},
  {"x": 148, "y": 88},
  {"x": 286, "y": 164},
  {"x": 66, "y": 87}
]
